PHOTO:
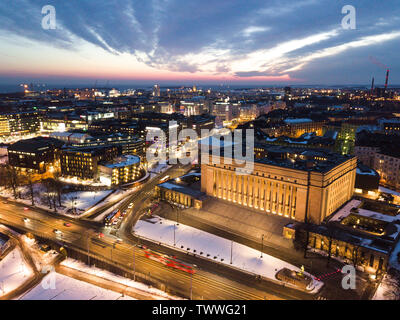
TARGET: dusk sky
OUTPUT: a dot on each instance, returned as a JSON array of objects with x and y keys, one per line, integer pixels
[{"x": 183, "y": 41}]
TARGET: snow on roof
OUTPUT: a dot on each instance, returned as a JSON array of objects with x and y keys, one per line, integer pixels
[
  {"x": 298, "y": 120},
  {"x": 216, "y": 142},
  {"x": 369, "y": 172},
  {"x": 123, "y": 161},
  {"x": 383, "y": 189},
  {"x": 345, "y": 211}
]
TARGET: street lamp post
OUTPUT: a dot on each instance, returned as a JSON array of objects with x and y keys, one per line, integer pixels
[
  {"x": 191, "y": 286},
  {"x": 134, "y": 263},
  {"x": 174, "y": 234},
  {"x": 88, "y": 243},
  {"x": 231, "y": 250},
  {"x": 262, "y": 245}
]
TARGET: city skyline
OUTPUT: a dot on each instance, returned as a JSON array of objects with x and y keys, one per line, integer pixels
[{"x": 172, "y": 42}]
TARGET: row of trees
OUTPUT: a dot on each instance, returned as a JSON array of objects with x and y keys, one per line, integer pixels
[
  {"x": 13, "y": 178},
  {"x": 301, "y": 242}
]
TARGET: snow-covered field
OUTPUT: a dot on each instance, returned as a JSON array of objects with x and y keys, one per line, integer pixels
[
  {"x": 78, "y": 265},
  {"x": 213, "y": 247},
  {"x": 80, "y": 201},
  {"x": 84, "y": 200},
  {"x": 13, "y": 271},
  {"x": 66, "y": 288}
]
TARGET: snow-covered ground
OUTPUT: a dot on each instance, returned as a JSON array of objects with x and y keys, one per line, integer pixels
[
  {"x": 383, "y": 189},
  {"x": 83, "y": 200},
  {"x": 214, "y": 248},
  {"x": 388, "y": 289},
  {"x": 117, "y": 197},
  {"x": 13, "y": 271},
  {"x": 78, "y": 265},
  {"x": 39, "y": 257},
  {"x": 80, "y": 200},
  {"x": 66, "y": 288}
]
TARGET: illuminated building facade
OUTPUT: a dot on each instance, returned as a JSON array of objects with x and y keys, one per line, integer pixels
[
  {"x": 121, "y": 170},
  {"x": 297, "y": 184},
  {"x": 83, "y": 162},
  {"x": 34, "y": 154},
  {"x": 296, "y": 127},
  {"x": 20, "y": 123}
]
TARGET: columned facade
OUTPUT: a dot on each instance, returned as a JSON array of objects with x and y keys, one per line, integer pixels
[{"x": 280, "y": 190}]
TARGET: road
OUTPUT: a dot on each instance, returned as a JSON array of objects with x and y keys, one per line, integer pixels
[{"x": 211, "y": 280}]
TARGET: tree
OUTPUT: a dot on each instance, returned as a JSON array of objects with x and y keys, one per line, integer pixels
[
  {"x": 14, "y": 178},
  {"x": 300, "y": 239},
  {"x": 30, "y": 186},
  {"x": 58, "y": 186},
  {"x": 331, "y": 231}
]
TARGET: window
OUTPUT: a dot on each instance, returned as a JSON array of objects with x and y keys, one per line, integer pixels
[{"x": 371, "y": 260}]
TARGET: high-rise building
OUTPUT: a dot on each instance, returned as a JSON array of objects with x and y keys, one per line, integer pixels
[{"x": 156, "y": 90}]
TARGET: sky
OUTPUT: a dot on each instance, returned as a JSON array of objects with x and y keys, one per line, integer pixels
[{"x": 194, "y": 42}]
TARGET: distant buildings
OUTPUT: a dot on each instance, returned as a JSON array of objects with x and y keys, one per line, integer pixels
[
  {"x": 20, "y": 123},
  {"x": 156, "y": 90}
]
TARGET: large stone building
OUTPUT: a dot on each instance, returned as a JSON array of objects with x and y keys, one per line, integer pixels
[
  {"x": 290, "y": 182},
  {"x": 34, "y": 154}
]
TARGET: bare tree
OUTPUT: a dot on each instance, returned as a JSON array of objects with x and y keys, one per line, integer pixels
[
  {"x": 58, "y": 186},
  {"x": 13, "y": 175},
  {"x": 30, "y": 186}
]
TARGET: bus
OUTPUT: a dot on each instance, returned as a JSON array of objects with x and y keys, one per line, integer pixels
[
  {"x": 166, "y": 178},
  {"x": 168, "y": 261},
  {"x": 112, "y": 217}
]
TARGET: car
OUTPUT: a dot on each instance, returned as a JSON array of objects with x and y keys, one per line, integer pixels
[
  {"x": 100, "y": 235},
  {"x": 67, "y": 224},
  {"x": 124, "y": 212},
  {"x": 26, "y": 208},
  {"x": 26, "y": 219},
  {"x": 130, "y": 205},
  {"x": 119, "y": 240},
  {"x": 56, "y": 231}
]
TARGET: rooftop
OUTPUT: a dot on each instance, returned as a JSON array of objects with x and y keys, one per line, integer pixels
[
  {"x": 305, "y": 159},
  {"x": 170, "y": 185},
  {"x": 35, "y": 144},
  {"x": 124, "y": 161}
]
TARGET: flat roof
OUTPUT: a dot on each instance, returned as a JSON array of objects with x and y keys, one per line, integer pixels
[
  {"x": 123, "y": 161},
  {"x": 182, "y": 189}
]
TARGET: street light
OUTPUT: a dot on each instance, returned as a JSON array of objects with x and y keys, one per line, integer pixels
[
  {"x": 262, "y": 245},
  {"x": 231, "y": 250},
  {"x": 174, "y": 234},
  {"x": 88, "y": 243},
  {"x": 191, "y": 286}
]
